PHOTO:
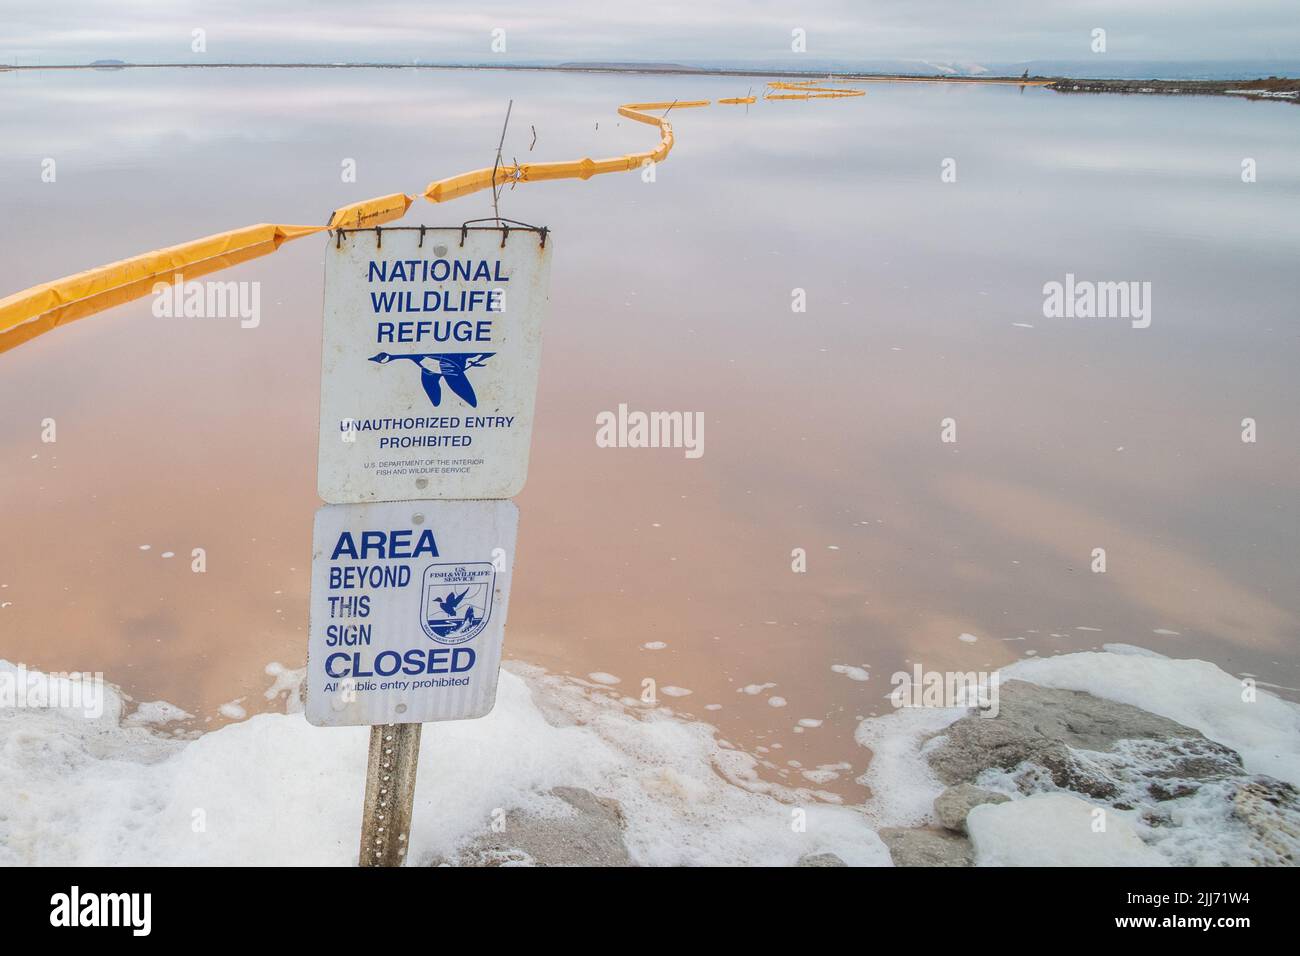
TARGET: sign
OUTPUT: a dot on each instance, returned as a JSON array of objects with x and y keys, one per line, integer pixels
[
  {"x": 408, "y": 610},
  {"x": 431, "y": 352}
]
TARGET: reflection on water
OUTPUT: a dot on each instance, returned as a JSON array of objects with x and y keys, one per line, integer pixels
[{"x": 822, "y": 428}]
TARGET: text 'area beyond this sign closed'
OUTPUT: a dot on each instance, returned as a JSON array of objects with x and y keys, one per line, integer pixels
[
  {"x": 432, "y": 346},
  {"x": 408, "y": 610}
]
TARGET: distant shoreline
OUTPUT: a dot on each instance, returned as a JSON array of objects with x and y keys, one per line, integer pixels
[
  {"x": 1279, "y": 88},
  {"x": 1272, "y": 88},
  {"x": 632, "y": 68}
]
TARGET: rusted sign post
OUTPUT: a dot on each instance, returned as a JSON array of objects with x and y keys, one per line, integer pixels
[
  {"x": 432, "y": 344},
  {"x": 390, "y": 792}
]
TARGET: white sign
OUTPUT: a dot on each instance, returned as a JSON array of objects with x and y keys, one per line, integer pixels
[
  {"x": 432, "y": 346},
  {"x": 408, "y": 610}
]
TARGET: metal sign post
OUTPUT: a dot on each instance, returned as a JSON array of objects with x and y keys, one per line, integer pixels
[{"x": 390, "y": 791}]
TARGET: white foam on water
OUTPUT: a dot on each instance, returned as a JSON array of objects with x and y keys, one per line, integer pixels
[
  {"x": 903, "y": 786},
  {"x": 600, "y": 677},
  {"x": 275, "y": 790},
  {"x": 819, "y": 776},
  {"x": 825, "y": 773},
  {"x": 1130, "y": 649},
  {"x": 156, "y": 712},
  {"x": 851, "y": 672},
  {"x": 287, "y": 684},
  {"x": 1055, "y": 829},
  {"x": 233, "y": 709}
]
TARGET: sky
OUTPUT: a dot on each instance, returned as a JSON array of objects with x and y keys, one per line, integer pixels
[{"x": 961, "y": 31}]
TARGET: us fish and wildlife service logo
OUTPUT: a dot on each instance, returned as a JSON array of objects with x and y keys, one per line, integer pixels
[{"x": 457, "y": 600}]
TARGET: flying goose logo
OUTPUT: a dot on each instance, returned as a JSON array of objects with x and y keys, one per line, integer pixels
[
  {"x": 439, "y": 367},
  {"x": 457, "y": 600}
]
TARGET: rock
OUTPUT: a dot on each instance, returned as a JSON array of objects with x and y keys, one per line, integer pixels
[
  {"x": 1271, "y": 809},
  {"x": 1045, "y": 726},
  {"x": 925, "y": 847},
  {"x": 820, "y": 859},
  {"x": 1170, "y": 791},
  {"x": 953, "y": 804},
  {"x": 1055, "y": 829},
  {"x": 593, "y": 836},
  {"x": 1194, "y": 802}
]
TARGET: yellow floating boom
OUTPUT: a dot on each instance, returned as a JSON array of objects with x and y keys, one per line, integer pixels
[{"x": 29, "y": 313}]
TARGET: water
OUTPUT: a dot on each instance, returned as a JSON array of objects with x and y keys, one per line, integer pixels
[{"x": 822, "y": 428}]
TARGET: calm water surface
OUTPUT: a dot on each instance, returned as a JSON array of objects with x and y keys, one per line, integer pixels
[{"x": 822, "y": 428}]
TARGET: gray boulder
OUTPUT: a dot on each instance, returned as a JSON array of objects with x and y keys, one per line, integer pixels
[
  {"x": 925, "y": 847},
  {"x": 953, "y": 804},
  {"x": 592, "y": 836},
  {"x": 820, "y": 859},
  {"x": 1044, "y": 726},
  {"x": 1271, "y": 810}
]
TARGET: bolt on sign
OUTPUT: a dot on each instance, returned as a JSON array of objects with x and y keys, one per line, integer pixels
[
  {"x": 432, "y": 346},
  {"x": 408, "y": 610}
]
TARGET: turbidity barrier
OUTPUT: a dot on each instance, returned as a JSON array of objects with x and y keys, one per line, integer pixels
[{"x": 27, "y": 314}]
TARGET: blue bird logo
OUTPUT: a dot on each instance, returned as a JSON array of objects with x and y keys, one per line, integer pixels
[
  {"x": 451, "y": 602},
  {"x": 439, "y": 367}
]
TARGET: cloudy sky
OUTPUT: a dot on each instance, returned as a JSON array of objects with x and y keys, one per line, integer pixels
[{"x": 78, "y": 31}]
